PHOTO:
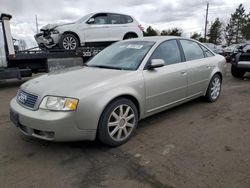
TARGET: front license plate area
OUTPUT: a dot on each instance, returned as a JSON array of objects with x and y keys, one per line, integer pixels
[{"x": 14, "y": 117}]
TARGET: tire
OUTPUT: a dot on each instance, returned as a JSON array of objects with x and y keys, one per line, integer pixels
[
  {"x": 214, "y": 88},
  {"x": 130, "y": 36},
  {"x": 118, "y": 122},
  {"x": 236, "y": 72},
  {"x": 69, "y": 42}
]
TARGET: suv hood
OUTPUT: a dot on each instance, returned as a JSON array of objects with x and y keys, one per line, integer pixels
[
  {"x": 74, "y": 83},
  {"x": 53, "y": 26}
]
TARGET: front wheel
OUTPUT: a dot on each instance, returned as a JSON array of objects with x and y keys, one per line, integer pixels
[
  {"x": 118, "y": 122},
  {"x": 214, "y": 88},
  {"x": 68, "y": 42}
]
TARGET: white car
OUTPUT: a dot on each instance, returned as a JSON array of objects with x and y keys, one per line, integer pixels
[{"x": 92, "y": 28}]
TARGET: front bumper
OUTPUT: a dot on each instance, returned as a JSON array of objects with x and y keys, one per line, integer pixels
[
  {"x": 244, "y": 65},
  {"x": 48, "y": 125},
  {"x": 48, "y": 41}
]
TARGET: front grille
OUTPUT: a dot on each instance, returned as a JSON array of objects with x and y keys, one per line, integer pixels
[{"x": 26, "y": 99}]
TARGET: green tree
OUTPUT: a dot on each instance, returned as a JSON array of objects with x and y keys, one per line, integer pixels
[
  {"x": 172, "y": 32},
  {"x": 195, "y": 36},
  {"x": 229, "y": 33},
  {"x": 215, "y": 32},
  {"x": 246, "y": 28},
  {"x": 235, "y": 28},
  {"x": 202, "y": 39},
  {"x": 150, "y": 32}
]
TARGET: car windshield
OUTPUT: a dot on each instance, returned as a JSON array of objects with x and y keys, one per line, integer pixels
[
  {"x": 84, "y": 18},
  {"x": 122, "y": 55},
  {"x": 232, "y": 47}
]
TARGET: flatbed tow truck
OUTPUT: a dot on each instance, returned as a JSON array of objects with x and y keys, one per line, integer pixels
[{"x": 19, "y": 64}]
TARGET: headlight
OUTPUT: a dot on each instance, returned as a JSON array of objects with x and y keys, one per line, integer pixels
[
  {"x": 54, "y": 32},
  {"x": 59, "y": 103}
]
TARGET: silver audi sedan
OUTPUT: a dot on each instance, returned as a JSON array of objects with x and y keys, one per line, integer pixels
[{"x": 126, "y": 82}]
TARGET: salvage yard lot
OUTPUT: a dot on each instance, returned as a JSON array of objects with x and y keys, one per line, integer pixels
[{"x": 197, "y": 144}]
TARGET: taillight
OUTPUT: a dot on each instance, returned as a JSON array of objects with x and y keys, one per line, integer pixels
[{"x": 141, "y": 28}]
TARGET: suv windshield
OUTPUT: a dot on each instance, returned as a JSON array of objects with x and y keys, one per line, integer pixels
[
  {"x": 84, "y": 18},
  {"x": 122, "y": 55}
]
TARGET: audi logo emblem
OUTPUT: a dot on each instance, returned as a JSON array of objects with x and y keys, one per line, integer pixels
[{"x": 22, "y": 98}]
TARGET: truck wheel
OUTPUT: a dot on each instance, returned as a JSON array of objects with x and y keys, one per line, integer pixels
[
  {"x": 236, "y": 72},
  {"x": 130, "y": 36},
  {"x": 68, "y": 42},
  {"x": 214, "y": 88},
  {"x": 118, "y": 122}
]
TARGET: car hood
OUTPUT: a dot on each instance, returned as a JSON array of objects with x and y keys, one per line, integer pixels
[
  {"x": 73, "y": 81},
  {"x": 53, "y": 26},
  {"x": 228, "y": 49}
]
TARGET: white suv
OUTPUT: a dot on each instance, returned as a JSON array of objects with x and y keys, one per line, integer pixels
[{"x": 92, "y": 28}]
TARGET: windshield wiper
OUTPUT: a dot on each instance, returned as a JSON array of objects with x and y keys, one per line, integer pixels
[{"x": 105, "y": 67}]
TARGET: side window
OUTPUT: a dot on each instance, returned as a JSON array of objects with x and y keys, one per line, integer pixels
[
  {"x": 206, "y": 51},
  {"x": 168, "y": 51},
  {"x": 115, "y": 19},
  {"x": 101, "y": 19},
  {"x": 127, "y": 19},
  {"x": 192, "y": 50}
]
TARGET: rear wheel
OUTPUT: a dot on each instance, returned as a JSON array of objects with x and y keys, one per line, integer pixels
[
  {"x": 236, "y": 72},
  {"x": 68, "y": 42},
  {"x": 130, "y": 36},
  {"x": 118, "y": 122},
  {"x": 214, "y": 88}
]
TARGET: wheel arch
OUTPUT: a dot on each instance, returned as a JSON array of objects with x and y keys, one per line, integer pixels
[
  {"x": 126, "y": 96},
  {"x": 130, "y": 33},
  {"x": 220, "y": 74},
  {"x": 73, "y": 33},
  {"x": 216, "y": 71}
]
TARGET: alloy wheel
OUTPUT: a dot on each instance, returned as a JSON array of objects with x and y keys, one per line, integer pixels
[
  {"x": 121, "y": 122},
  {"x": 69, "y": 43},
  {"x": 216, "y": 87}
]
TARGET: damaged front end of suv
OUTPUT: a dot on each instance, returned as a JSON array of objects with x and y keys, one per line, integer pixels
[{"x": 48, "y": 37}]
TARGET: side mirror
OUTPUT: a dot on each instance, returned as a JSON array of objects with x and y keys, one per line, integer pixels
[
  {"x": 156, "y": 63},
  {"x": 91, "y": 20}
]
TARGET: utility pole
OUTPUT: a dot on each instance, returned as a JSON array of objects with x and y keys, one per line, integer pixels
[
  {"x": 36, "y": 25},
  {"x": 205, "y": 34}
]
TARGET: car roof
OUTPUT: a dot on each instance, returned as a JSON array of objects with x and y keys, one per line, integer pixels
[
  {"x": 111, "y": 13},
  {"x": 157, "y": 38}
]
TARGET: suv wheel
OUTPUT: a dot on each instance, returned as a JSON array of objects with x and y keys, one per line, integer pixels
[
  {"x": 236, "y": 72},
  {"x": 130, "y": 36},
  {"x": 214, "y": 88},
  {"x": 118, "y": 122},
  {"x": 68, "y": 42}
]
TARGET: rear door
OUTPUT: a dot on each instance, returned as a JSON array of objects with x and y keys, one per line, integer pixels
[
  {"x": 199, "y": 67},
  {"x": 115, "y": 27},
  {"x": 166, "y": 85}
]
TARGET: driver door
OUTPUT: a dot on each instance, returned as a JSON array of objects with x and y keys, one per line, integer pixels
[
  {"x": 98, "y": 30},
  {"x": 167, "y": 85}
]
